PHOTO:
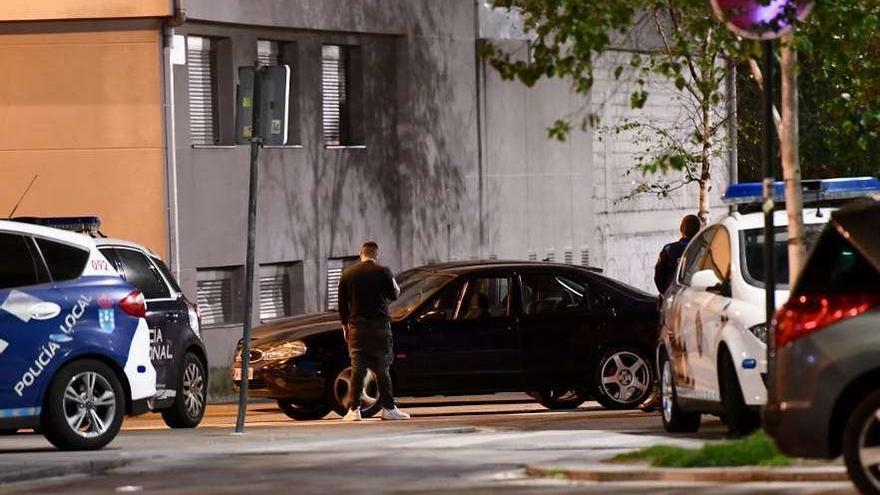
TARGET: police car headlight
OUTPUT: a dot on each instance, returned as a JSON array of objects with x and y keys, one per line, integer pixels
[
  {"x": 287, "y": 350},
  {"x": 760, "y": 331},
  {"x": 195, "y": 322}
]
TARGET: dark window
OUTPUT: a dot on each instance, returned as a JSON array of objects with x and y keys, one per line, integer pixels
[
  {"x": 836, "y": 267},
  {"x": 544, "y": 293},
  {"x": 65, "y": 262},
  {"x": 219, "y": 295},
  {"x": 168, "y": 275},
  {"x": 140, "y": 272},
  {"x": 281, "y": 290},
  {"x": 17, "y": 265},
  {"x": 202, "y": 86},
  {"x": 335, "y": 267},
  {"x": 752, "y": 253},
  {"x": 341, "y": 91},
  {"x": 484, "y": 298},
  {"x": 443, "y": 304}
]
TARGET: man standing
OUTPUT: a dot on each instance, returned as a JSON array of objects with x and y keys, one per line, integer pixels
[
  {"x": 667, "y": 262},
  {"x": 364, "y": 292}
]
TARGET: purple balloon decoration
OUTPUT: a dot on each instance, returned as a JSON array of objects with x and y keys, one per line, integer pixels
[{"x": 761, "y": 20}]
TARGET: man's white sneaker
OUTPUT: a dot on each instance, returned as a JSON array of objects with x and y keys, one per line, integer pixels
[
  {"x": 394, "y": 414},
  {"x": 352, "y": 415}
]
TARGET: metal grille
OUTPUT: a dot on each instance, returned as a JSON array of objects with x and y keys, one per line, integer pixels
[
  {"x": 585, "y": 257},
  {"x": 200, "y": 83},
  {"x": 334, "y": 273},
  {"x": 333, "y": 87},
  {"x": 267, "y": 52},
  {"x": 215, "y": 301},
  {"x": 569, "y": 257},
  {"x": 274, "y": 295},
  {"x": 551, "y": 256},
  {"x": 533, "y": 256}
]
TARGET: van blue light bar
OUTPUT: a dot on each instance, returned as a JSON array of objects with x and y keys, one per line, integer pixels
[
  {"x": 812, "y": 190},
  {"x": 91, "y": 225}
]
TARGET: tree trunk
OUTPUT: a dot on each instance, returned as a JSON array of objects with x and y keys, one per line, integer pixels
[
  {"x": 705, "y": 172},
  {"x": 791, "y": 169}
]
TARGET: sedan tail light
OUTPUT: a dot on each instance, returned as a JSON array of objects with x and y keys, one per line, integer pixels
[
  {"x": 134, "y": 304},
  {"x": 806, "y": 314}
]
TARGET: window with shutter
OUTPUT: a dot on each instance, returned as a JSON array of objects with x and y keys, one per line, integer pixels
[
  {"x": 219, "y": 296},
  {"x": 201, "y": 85},
  {"x": 281, "y": 290},
  {"x": 335, "y": 267},
  {"x": 267, "y": 52},
  {"x": 585, "y": 257},
  {"x": 333, "y": 86}
]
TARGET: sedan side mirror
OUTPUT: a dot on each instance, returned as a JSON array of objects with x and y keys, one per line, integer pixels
[
  {"x": 434, "y": 315},
  {"x": 704, "y": 280}
]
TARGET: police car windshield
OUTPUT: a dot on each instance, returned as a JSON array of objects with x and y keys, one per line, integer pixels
[
  {"x": 753, "y": 253},
  {"x": 415, "y": 292}
]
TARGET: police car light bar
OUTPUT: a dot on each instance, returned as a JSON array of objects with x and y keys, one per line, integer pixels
[
  {"x": 83, "y": 225},
  {"x": 812, "y": 190}
]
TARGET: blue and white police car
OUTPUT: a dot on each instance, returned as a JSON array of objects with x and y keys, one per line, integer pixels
[{"x": 74, "y": 341}]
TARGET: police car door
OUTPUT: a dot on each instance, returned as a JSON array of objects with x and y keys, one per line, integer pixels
[
  {"x": 30, "y": 307},
  {"x": 166, "y": 312}
]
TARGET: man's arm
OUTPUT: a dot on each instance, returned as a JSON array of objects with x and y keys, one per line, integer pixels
[
  {"x": 661, "y": 272},
  {"x": 342, "y": 298},
  {"x": 393, "y": 289}
]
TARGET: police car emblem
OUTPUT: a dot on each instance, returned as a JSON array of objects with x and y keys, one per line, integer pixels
[{"x": 106, "y": 317}]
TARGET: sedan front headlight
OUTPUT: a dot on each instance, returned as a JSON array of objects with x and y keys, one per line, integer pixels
[{"x": 287, "y": 350}]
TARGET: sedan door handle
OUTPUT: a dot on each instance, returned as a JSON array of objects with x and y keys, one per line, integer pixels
[{"x": 172, "y": 316}]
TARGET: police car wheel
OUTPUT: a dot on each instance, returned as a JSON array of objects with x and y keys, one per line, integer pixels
[
  {"x": 191, "y": 396},
  {"x": 623, "y": 378},
  {"x": 741, "y": 419},
  {"x": 84, "y": 406},
  {"x": 674, "y": 419}
]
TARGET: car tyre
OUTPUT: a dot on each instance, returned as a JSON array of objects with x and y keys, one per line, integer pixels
[
  {"x": 861, "y": 439},
  {"x": 84, "y": 406},
  {"x": 336, "y": 395},
  {"x": 303, "y": 412},
  {"x": 674, "y": 419},
  {"x": 557, "y": 399},
  {"x": 741, "y": 419},
  {"x": 190, "y": 400},
  {"x": 623, "y": 378}
]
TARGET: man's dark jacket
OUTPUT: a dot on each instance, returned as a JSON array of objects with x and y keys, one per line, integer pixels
[
  {"x": 364, "y": 292},
  {"x": 664, "y": 270}
]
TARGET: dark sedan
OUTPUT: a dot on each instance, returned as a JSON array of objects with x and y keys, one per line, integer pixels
[{"x": 559, "y": 332}]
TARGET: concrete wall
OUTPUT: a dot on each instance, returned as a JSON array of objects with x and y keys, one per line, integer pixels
[{"x": 81, "y": 108}]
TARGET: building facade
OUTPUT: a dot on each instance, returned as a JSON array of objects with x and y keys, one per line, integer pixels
[{"x": 397, "y": 132}]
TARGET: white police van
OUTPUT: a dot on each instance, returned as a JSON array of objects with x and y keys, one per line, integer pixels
[
  {"x": 712, "y": 354},
  {"x": 74, "y": 343}
]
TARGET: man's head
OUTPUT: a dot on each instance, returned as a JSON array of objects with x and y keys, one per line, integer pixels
[
  {"x": 369, "y": 251},
  {"x": 690, "y": 225}
]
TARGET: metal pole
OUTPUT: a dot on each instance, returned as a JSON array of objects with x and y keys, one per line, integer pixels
[
  {"x": 732, "y": 124},
  {"x": 768, "y": 162},
  {"x": 256, "y": 142}
]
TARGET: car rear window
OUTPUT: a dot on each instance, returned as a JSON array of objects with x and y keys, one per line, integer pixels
[
  {"x": 836, "y": 267},
  {"x": 65, "y": 262},
  {"x": 168, "y": 276},
  {"x": 140, "y": 272},
  {"x": 17, "y": 267}
]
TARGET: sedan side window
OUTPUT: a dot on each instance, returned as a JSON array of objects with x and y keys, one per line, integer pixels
[
  {"x": 484, "y": 298},
  {"x": 550, "y": 293}
]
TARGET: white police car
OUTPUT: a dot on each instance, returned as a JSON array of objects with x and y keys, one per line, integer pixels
[
  {"x": 74, "y": 344},
  {"x": 712, "y": 351}
]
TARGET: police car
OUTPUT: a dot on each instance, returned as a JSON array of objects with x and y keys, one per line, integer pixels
[
  {"x": 712, "y": 350},
  {"x": 176, "y": 347},
  {"x": 74, "y": 343}
]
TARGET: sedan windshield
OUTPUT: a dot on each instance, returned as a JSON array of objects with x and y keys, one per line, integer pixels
[
  {"x": 414, "y": 292},
  {"x": 753, "y": 253}
]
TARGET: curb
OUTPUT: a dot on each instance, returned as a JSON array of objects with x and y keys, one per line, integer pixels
[
  {"x": 92, "y": 467},
  {"x": 719, "y": 475}
]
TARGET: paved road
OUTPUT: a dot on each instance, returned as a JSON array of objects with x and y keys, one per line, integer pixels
[{"x": 475, "y": 446}]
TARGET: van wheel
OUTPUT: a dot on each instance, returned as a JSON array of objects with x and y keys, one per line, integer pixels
[
  {"x": 623, "y": 378},
  {"x": 861, "y": 445},
  {"x": 741, "y": 419},
  {"x": 303, "y": 412},
  {"x": 559, "y": 398},
  {"x": 338, "y": 390},
  {"x": 190, "y": 400},
  {"x": 84, "y": 406},
  {"x": 674, "y": 419}
]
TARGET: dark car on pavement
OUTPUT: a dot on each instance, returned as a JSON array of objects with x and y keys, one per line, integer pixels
[
  {"x": 559, "y": 332},
  {"x": 825, "y": 383}
]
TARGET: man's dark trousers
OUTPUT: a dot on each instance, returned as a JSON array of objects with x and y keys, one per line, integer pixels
[{"x": 369, "y": 346}]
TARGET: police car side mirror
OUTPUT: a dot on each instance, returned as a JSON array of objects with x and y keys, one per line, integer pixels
[{"x": 703, "y": 280}]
